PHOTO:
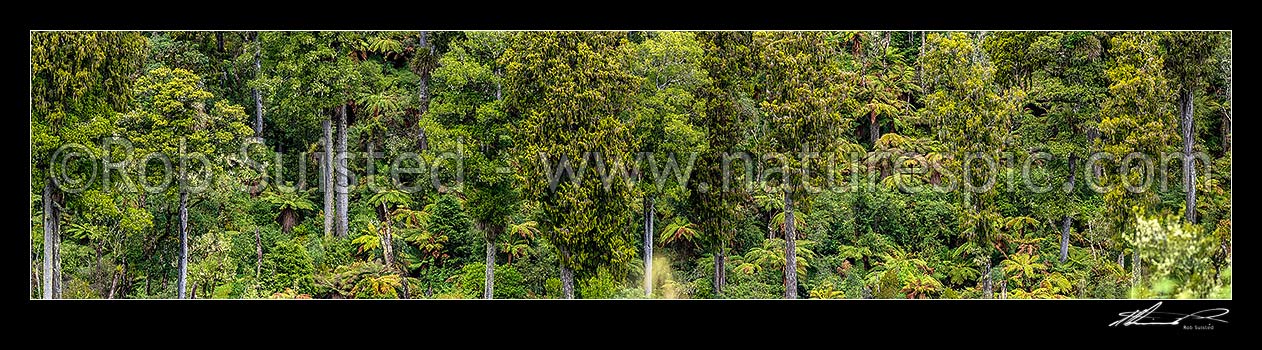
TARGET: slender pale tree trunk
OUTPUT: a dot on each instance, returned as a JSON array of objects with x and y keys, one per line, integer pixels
[
  {"x": 258, "y": 100},
  {"x": 771, "y": 226},
  {"x": 1227, "y": 120},
  {"x": 118, "y": 274},
  {"x": 567, "y": 275},
  {"x": 423, "y": 91},
  {"x": 183, "y": 282},
  {"x": 488, "y": 290},
  {"x": 919, "y": 56},
  {"x": 987, "y": 287},
  {"x": 723, "y": 252},
  {"x": 124, "y": 284},
  {"x": 52, "y": 241},
  {"x": 1227, "y": 117},
  {"x": 326, "y": 177},
  {"x": 258, "y": 251},
  {"x": 1226, "y": 131},
  {"x": 720, "y": 270},
  {"x": 342, "y": 173},
  {"x": 649, "y": 213},
  {"x": 423, "y": 94},
  {"x": 1189, "y": 168},
  {"x": 1064, "y": 231},
  {"x": 567, "y": 282},
  {"x": 387, "y": 241},
  {"x": 36, "y": 284},
  {"x": 1064, "y": 238},
  {"x": 790, "y": 250},
  {"x": 387, "y": 249},
  {"x": 113, "y": 284},
  {"x": 1136, "y": 269},
  {"x": 1096, "y": 169}
]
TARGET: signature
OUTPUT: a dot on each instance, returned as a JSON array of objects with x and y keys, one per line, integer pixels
[{"x": 1152, "y": 317}]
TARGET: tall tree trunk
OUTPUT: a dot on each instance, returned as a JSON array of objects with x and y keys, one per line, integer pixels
[
  {"x": 1064, "y": 238},
  {"x": 987, "y": 287},
  {"x": 771, "y": 225},
  {"x": 1096, "y": 169},
  {"x": 326, "y": 177},
  {"x": 885, "y": 42},
  {"x": 790, "y": 250},
  {"x": 387, "y": 250},
  {"x": 720, "y": 270},
  {"x": 723, "y": 251},
  {"x": 1136, "y": 269},
  {"x": 342, "y": 172},
  {"x": 113, "y": 285},
  {"x": 488, "y": 291},
  {"x": 919, "y": 64},
  {"x": 1227, "y": 120},
  {"x": 1226, "y": 130},
  {"x": 258, "y": 251},
  {"x": 52, "y": 241},
  {"x": 567, "y": 275},
  {"x": 1064, "y": 231},
  {"x": 36, "y": 284},
  {"x": 258, "y": 100},
  {"x": 183, "y": 282},
  {"x": 1189, "y": 138},
  {"x": 387, "y": 241},
  {"x": 422, "y": 140},
  {"x": 125, "y": 284},
  {"x": 423, "y": 94},
  {"x": 649, "y": 212}
]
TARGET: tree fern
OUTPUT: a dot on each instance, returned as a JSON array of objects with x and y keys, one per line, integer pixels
[{"x": 679, "y": 231}]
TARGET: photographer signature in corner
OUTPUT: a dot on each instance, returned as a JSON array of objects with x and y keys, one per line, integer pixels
[{"x": 1152, "y": 317}]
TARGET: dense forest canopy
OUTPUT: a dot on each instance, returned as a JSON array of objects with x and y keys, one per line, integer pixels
[{"x": 642, "y": 164}]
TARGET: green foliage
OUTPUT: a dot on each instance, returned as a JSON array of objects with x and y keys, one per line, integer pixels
[
  {"x": 448, "y": 219},
  {"x": 679, "y": 230},
  {"x": 509, "y": 283},
  {"x": 377, "y": 287},
  {"x": 900, "y": 273},
  {"x": 289, "y": 202},
  {"x": 827, "y": 291},
  {"x": 569, "y": 91},
  {"x": 389, "y": 199},
  {"x": 287, "y": 265},
  {"x": 173, "y": 117},
  {"x": 770, "y": 257},
  {"x": 359, "y": 280},
  {"x": 803, "y": 109},
  {"x": 904, "y": 111},
  {"x": 210, "y": 264},
  {"x": 1138, "y": 117},
  {"x": 600, "y": 286},
  {"x": 1173, "y": 252},
  {"x": 78, "y": 81},
  {"x": 1020, "y": 267}
]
